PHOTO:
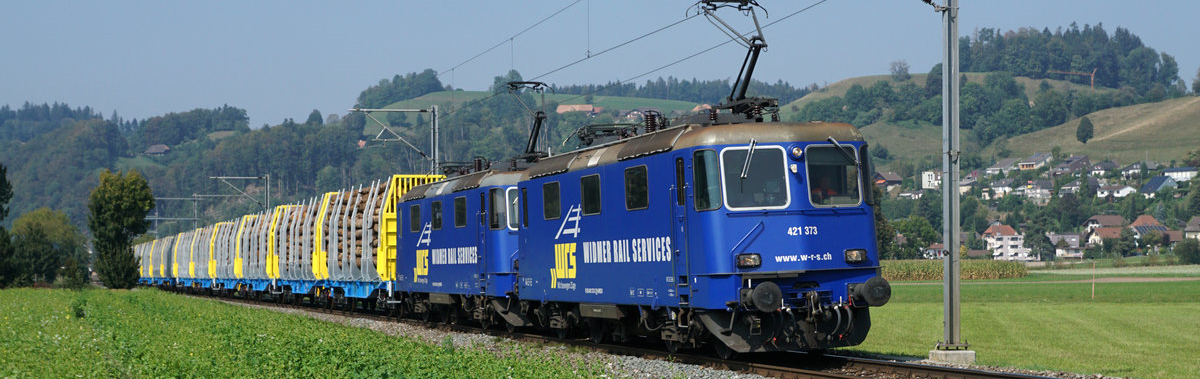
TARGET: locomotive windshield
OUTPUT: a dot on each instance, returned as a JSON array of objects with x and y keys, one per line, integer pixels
[
  {"x": 760, "y": 184},
  {"x": 832, "y": 176}
]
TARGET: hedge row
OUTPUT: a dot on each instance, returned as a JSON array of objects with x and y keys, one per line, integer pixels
[{"x": 931, "y": 269}]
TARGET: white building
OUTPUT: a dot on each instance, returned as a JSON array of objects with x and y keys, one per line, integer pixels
[
  {"x": 1181, "y": 174},
  {"x": 1006, "y": 244}
]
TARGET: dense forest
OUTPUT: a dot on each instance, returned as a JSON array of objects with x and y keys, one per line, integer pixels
[{"x": 1126, "y": 73}]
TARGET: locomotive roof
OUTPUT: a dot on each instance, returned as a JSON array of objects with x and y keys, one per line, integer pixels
[
  {"x": 461, "y": 183},
  {"x": 692, "y": 135}
]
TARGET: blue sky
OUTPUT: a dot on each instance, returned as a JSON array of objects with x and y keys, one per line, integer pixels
[{"x": 281, "y": 59}]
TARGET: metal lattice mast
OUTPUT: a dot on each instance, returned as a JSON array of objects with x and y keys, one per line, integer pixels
[{"x": 950, "y": 196}]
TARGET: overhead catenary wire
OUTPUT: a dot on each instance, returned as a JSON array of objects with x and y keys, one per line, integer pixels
[
  {"x": 509, "y": 39},
  {"x": 681, "y": 60},
  {"x": 660, "y": 68}
]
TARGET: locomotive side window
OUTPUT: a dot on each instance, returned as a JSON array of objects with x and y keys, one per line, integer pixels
[
  {"x": 706, "y": 177},
  {"x": 551, "y": 207},
  {"x": 636, "y": 194},
  {"x": 511, "y": 195},
  {"x": 414, "y": 218},
  {"x": 497, "y": 209},
  {"x": 833, "y": 178},
  {"x": 460, "y": 211},
  {"x": 679, "y": 181},
  {"x": 524, "y": 208},
  {"x": 590, "y": 185},
  {"x": 755, "y": 177},
  {"x": 435, "y": 215}
]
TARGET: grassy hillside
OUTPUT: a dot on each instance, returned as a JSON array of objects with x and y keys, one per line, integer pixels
[
  {"x": 455, "y": 99},
  {"x": 458, "y": 98},
  {"x": 1157, "y": 131},
  {"x": 840, "y": 88}
]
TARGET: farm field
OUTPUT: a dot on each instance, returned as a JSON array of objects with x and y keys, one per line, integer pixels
[
  {"x": 1043, "y": 322},
  {"x": 147, "y": 333}
]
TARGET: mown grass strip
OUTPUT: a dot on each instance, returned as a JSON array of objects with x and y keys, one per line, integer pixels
[
  {"x": 147, "y": 333},
  {"x": 1143, "y": 330}
]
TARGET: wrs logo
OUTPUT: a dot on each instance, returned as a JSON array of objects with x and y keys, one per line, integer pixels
[
  {"x": 564, "y": 263},
  {"x": 422, "y": 268}
]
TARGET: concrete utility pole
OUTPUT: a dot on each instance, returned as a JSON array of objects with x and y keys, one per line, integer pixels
[{"x": 954, "y": 348}]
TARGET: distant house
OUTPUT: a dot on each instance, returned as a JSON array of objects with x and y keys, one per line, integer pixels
[
  {"x": 887, "y": 180},
  {"x": 1001, "y": 187},
  {"x": 638, "y": 113},
  {"x": 590, "y": 109},
  {"x": 1100, "y": 234},
  {"x": 1071, "y": 247},
  {"x": 1157, "y": 183},
  {"x": 1132, "y": 171},
  {"x": 1103, "y": 168},
  {"x": 1077, "y": 186},
  {"x": 1114, "y": 191},
  {"x": 1103, "y": 221},
  {"x": 911, "y": 195},
  {"x": 1034, "y": 162},
  {"x": 1006, "y": 244},
  {"x": 935, "y": 251},
  {"x": 931, "y": 179},
  {"x": 965, "y": 186},
  {"x": 1003, "y": 166},
  {"x": 1146, "y": 224},
  {"x": 1192, "y": 230},
  {"x": 157, "y": 150},
  {"x": 1072, "y": 165},
  {"x": 1181, "y": 174}
]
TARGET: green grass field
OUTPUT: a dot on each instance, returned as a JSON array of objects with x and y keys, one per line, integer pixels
[
  {"x": 147, "y": 333},
  {"x": 1136, "y": 329}
]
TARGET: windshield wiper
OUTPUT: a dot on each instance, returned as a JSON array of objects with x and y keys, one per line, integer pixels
[
  {"x": 842, "y": 150},
  {"x": 749, "y": 156}
]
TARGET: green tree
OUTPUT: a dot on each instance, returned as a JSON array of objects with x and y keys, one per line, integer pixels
[
  {"x": 1085, "y": 130},
  {"x": 6, "y": 253},
  {"x": 1196, "y": 84},
  {"x": 900, "y": 70},
  {"x": 315, "y": 118},
  {"x": 919, "y": 233},
  {"x": 1188, "y": 251},
  {"x": 48, "y": 240},
  {"x": 1127, "y": 244},
  {"x": 885, "y": 234},
  {"x": 1193, "y": 201},
  {"x": 35, "y": 259},
  {"x": 118, "y": 213},
  {"x": 5, "y": 192}
]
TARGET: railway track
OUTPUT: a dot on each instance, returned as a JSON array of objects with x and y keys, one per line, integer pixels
[{"x": 789, "y": 365}]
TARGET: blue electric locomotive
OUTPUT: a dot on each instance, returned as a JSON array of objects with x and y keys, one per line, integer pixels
[
  {"x": 754, "y": 236},
  {"x": 457, "y": 247}
]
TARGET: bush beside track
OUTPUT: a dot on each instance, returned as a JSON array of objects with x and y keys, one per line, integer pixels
[
  {"x": 931, "y": 269},
  {"x": 147, "y": 333}
]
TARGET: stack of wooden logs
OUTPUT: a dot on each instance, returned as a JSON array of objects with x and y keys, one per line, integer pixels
[{"x": 354, "y": 206}]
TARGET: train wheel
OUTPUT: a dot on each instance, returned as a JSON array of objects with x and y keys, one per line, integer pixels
[
  {"x": 672, "y": 346},
  {"x": 597, "y": 331},
  {"x": 561, "y": 333},
  {"x": 510, "y": 327},
  {"x": 722, "y": 351}
]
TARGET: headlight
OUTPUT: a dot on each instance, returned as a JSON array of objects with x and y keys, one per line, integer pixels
[
  {"x": 749, "y": 260},
  {"x": 856, "y": 256},
  {"x": 797, "y": 152}
]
